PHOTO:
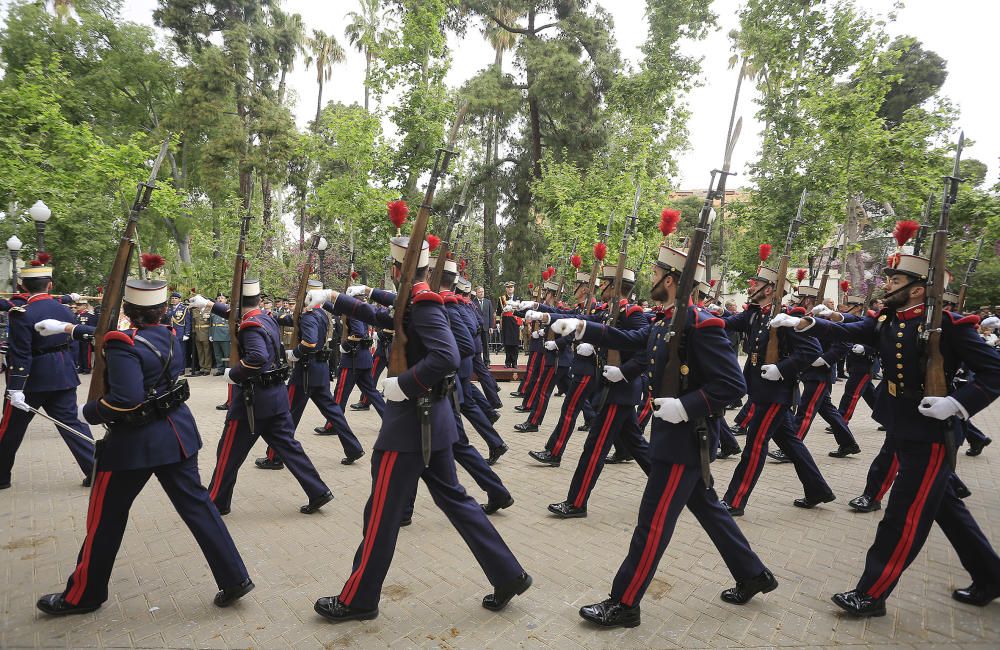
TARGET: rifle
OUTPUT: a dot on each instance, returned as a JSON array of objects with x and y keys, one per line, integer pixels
[
  {"x": 300, "y": 293},
  {"x": 935, "y": 381},
  {"x": 614, "y": 356},
  {"x": 344, "y": 321},
  {"x": 397, "y": 354},
  {"x": 456, "y": 216},
  {"x": 969, "y": 272},
  {"x": 115, "y": 288},
  {"x": 727, "y": 162},
  {"x": 772, "y": 353},
  {"x": 236, "y": 300},
  {"x": 591, "y": 297},
  {"x": 829, "y": 262},
  {"x": 924, "y": 225}
]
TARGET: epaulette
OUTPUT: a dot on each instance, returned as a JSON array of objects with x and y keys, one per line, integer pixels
[
  {"x": 632, "y": 311},
  {"x": 451, "y": 299},
  {"x": 705, "y": 319},
  {"x": 249, "y": 323},
  {"x": 121, "y": 337},
  {"x": 796, "y": 311},
  {"x": 959, "y": 319},
  {"x": 622, "y": 303},
  {"x": 428, "y": 296},
  {"x": 872, "y": 313}
]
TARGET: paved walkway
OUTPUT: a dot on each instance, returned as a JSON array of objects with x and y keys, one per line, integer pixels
[{"x": 161, "y": 589}]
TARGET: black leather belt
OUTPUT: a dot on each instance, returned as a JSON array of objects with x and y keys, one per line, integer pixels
[{"x": 40, "y": 351}]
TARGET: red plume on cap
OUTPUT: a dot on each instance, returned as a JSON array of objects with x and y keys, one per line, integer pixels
[
  {"x": 151, "y": 261},
  {"x": 576, "y": 261},
  {"x": 551, "y": 271},
  {"x": 904, "y": 230},
  {"x": 800, "y": 275},
  {"x": 354, "y": 275},
  {"x": 669, "y": 220},
  {"x": 600, "y": 250},
  {"x": 43, "y": 257},
  {"x": 845, "y": 285},
  {"x": 398, "y": 212},
  {"x": 531, "y": 286},
  {"x": 35, "y": 263},
  {"x": 712, "y": 282},
  {"x": 461, "y": 263},
  {"x": 100, "y": 290},
  {"x": 433, "y": 241},
  {"x": 764, "y": 252}
]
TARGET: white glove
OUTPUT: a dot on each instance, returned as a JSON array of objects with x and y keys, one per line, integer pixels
[
  {"x": 585, "y": 349},
  {"x": 343, "y": 350},
  {"x": 357, "y": 290},
  {"x": 50, "y": 327},
  {"x": 226, "y": 376},
  {"x": 527, "y": 304},
  {"x": 316, "y": 297},
  {"x": 535, "y": 334},
  {"x": 858, "y": 349},
  {"x": 75, "y": 297},
  {"x": 531, "y": 315},
  {"x": 992, "y": 322},
  {"x": 715, "y": 309},
  {"x": 942, "y": 408},
  {"x": 17, "y": 400},
  {"x": 186, "y": 337},
  {"x": 770, "y": 372},
  {"x": 392, "y": 391},
  {"x": 784, "y": 320},
  {"x": 551, "y": 345},
  {"x": 79, "y": 413},
  {"x": 291, "y": 356},
  {"x": 670, "y": 409},
  {"x": 564, "y": 326},
  {"x": 613, "y": 374},
  {"x": 199, "y": 301},
  {"x": 820, "y": 362},
  {"x": 821, "y": 310}
]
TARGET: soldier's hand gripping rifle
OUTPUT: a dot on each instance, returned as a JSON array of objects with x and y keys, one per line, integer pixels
[
  {"x": 115, "y": 290},
  {"x": 444, "y": 249},
  {"x": 300, "y": 300},
  {"x": 935, "y": 381},
  {"x": 969, "y": 272},
  {"x": 236, "y": 299},
  {"x": 397, "y": 354},
  {"x": 772, "y": 352}
]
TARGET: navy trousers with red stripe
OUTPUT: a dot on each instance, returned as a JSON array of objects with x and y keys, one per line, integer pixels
[
  {"x": 58, "y": 404},
  {"x": 616, "y": 423},
  {"x": 669, "y": 489},
  {"x": 487, "y": 381},
  {"x": 394, "y": 479},
  {"x": 477, "y": 418},
  {"x": 550, "y": 378},
  {"x": 530, "y": 372},
  {"x": 772, "y": 421},
  {"x": 882, "y": 472},
  {"x": 279, "y": 433},
  {"x": 577, "y": 395},
  {"x": 924, "y": 493},
  {"x": 379, "y": 364},
  {"x": 726, "y": 438},
  {"x": 111, "y": 498},
  {"x": 815, "y": 400},
  {"x": 336, "y": 422},
  {"x": 347, "y": 378},
  {"x": 858, "y": 386},
  {"x": 745, "y": 415}
]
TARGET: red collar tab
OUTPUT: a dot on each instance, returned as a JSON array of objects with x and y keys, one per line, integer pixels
[
  {"x": 418, "y": 287},
  {"x": 39, "y": 296},
  {"x": 916, "y": 311},
  {"x": 250, "y": 314}
]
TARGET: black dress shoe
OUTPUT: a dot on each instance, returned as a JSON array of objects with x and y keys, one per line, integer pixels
[
  {"x": 492, "y": 506},
  {"x": 502, "y": 594},
  {"x": 56, "y": 605},
  {"x": 267, "y": 463},
  {"x": 349, "y": 460},
  {"x": 84, "y": 483},
  {"x": 978, "y": 595},
  {"x": 738, "y": 431},
  {"x": 865, "y": 503},
  {"x": 520, "y": 408},
  {"x": 330, "y": 608},
  {"x": 843, "y": 451},
  {"x": 222, "y": 407},
  {"x": 779, "y": 456},
  {"x": 738, "y": 404},
  {"x": 496, "y": 453},
  {"x": 976, "y": 448},
  {"x": 224, "y": 511},
  {"x": 497, "y": 406},
  {"x": 611, "y": 613},
  {"x": 615, "y": 458},
  {"x": 218, "y": 373},
  {"x": 747, "y": 589},
  {"x": 5, "y": 486},
  {"x": 545, "y": 458},
  {"x": 406, "y": 522},
  {"x": 584, "y": 427},
  {"x": 227, "y": 597},
  {"x": 726, "y": 452},
  {"x": 859, "y": 604},
  {"x": 526, "y": 427},
  {"x": 316, "y": 503},
  {"x": 559, "y": 395},
  {"x": 492, "y": 416},
  {"x": 359, "y": 407},
  {"x": 807, "y": 502},
  {"x": 881, "y": 428},
  {"x": 733, "y": 512},
  {"x": 322, "y": 431},
  {"x": 828, "y": 429},
  {"x": 514, "y": 393},
  {"x": 566, "y": 510}
]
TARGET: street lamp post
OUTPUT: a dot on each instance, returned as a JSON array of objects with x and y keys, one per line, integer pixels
[
  {"x": 321, "y": 247},
  {"x": 13, "y": 247},
  {"x": 40, "y": 214}
]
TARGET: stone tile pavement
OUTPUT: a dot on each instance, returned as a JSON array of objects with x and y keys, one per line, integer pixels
[{"x": 162, "y": 589}]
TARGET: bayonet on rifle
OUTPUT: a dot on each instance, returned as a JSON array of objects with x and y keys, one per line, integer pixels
[{"x": 772, "y": 352}]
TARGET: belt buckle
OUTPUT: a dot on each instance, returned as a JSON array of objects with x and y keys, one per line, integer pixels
[
  {"x": 892, "y": 388},
  {"x": 753, "y": 359}
]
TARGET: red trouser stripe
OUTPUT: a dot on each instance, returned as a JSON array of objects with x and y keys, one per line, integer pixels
[
  {"x": 93, "y": 521},
  {"x": 860, "y": 388},
  {"x": 220, "y": 465},
  {"x": 531, "y": 368},
  {"x": 749, "y": 416},
  {"x": 646, "y": 408},
  {"x": 537, "y": 412},
  {"x": 534, "y": 391},
  {"x": 896, "y": 563},
  {"x": 374, "y": 520},
  {"x": 758, "y": 445},
  {"x": 6, "y": 417},
  {"x": 655, "y": 534},
  {"x": 596, "y": 453},
  {"x": 374, "y": 366},
  {"x": 889, "y": 478},
  {"x": 807, "y": 419},
  {"x": 567, "y": 421},
  {"x": 340, "y": 384}
]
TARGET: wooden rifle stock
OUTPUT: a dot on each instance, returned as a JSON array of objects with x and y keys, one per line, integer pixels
[
  {"x": 300, "y": 293},
  {"x": 614, "y": 356},
  {"x": 114, "y": 292},
  {"x": 772, "y": 353},
  {"x": 344, "y": 321},
  {"x": 239, "y": 273}
]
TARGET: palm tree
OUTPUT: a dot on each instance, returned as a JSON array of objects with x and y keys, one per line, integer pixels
[
  {"x": 363, "y": 33},
  {"x": 326, "y": 52},
  {"x": 289, "y": 40}
]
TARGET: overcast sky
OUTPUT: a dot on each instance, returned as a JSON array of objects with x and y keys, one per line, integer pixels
[{"x": 961, "y": 31}]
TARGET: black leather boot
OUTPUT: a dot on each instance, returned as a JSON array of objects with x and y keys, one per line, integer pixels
[{"x": 611, "y": 613}]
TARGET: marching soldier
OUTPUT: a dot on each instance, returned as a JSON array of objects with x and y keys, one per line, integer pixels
[
  {"x": 260, "y": 405},
  {"x": 356, "y": 364},
  {"x": 151, "y": 432},
  {"x": 85, "y": 349},
  {"x": 397, "y": 461},
  {"x": 42, "y": 374},
  {"x": 380, "y": 359},
  {"x": 918, "y": 428},
  {"x": 860, "y": 367}
]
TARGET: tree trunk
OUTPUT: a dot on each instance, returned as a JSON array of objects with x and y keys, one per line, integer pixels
[
  {"x": 533, "y": 112},
  {"x": 319, "y": 99},
  {"x": 368, "y": 71},
  {"x": 854, "y": 270}
]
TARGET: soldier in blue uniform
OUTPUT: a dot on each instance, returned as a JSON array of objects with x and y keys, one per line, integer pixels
[
  {"x": 41, "y": 374},
  {"x": 489, "y": 397},
  {"x": 356, "y": 368},
  {"x": 151, "y": 432},
  {"x": 616, "y": 421},
  {"x": 380, "y": 359},
  {"x": 536, "y": 360},
  {"x": 675, "y": 480},
  {"x": 260, "y": 406},
  {"x": 771, "y": 390},
  {"x": 860, "y": 365},
  {"x": 919, "y": 428},
  {"x": 85, "y": 349},
  {"x": 182, "y": 321},
  {"x": 397, "y": 462},
  {"x": 311, "y": 381}
]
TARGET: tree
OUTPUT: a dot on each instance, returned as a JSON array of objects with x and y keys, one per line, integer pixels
[
  {"x": 364, "y": 33},
  {"x": 326, "y": 52},
  {"x": 917, "y": 75}
]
